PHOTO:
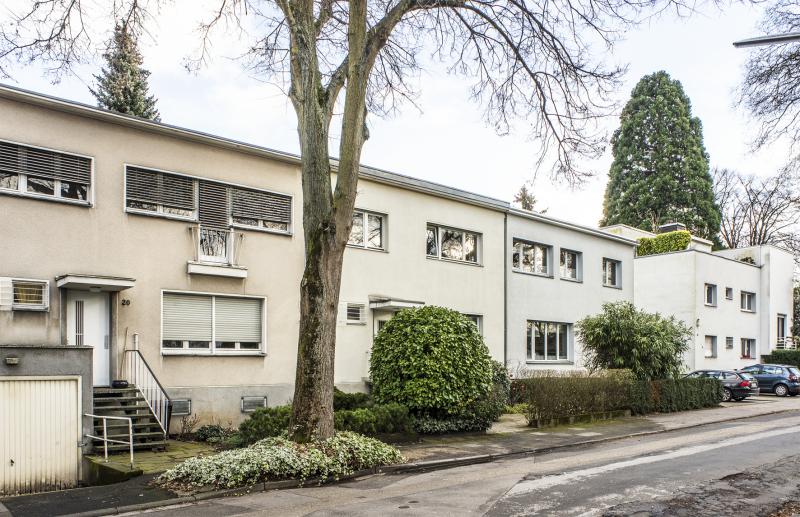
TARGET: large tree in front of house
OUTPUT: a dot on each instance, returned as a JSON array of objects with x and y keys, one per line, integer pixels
[
  {"x": 122, "y": 86},
  {"x": 660, "y": 171},
  {"x": 339, "y": 62}
]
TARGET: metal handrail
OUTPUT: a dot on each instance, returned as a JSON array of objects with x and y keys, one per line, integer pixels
[
  {"x": 786, "y": 343},
  {"x": 105, "y": 437},
  {"x": 141, "y": 375}
]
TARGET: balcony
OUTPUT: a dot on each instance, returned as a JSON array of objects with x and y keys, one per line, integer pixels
[
  {"x": 215, "y": 253},
  {"x": 786, "y": 343}
]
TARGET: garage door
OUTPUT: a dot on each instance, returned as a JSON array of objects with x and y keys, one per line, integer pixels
[{"x": 39, "y": 433}]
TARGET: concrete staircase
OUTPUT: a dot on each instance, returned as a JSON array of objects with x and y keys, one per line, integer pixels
[{"x": 126, "y": 402}]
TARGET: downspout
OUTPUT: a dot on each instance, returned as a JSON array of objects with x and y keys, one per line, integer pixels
[{"x": 505, "y": 289}]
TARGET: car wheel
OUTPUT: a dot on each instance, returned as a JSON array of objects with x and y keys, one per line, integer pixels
[
  {"x": 781, "y": 390},
  {"x": 726, "y": 395}
]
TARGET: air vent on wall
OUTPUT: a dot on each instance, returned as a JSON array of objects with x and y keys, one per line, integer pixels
[
  {"x": 181, "y": 407},
  {"x": 250, "y": 404}
]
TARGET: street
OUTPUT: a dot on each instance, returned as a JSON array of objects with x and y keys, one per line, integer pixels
[{"x": 642, "y": 476}]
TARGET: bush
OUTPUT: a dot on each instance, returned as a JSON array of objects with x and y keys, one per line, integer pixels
[
  {"x": 624, "y": 337},
  {"x": 279, "y": 458},
  {"x": 212, "y": 433},
  {"x": 264, "y": 423},
  {"x": 791, "y": 357},
  {"x": 375, "y": 420},
  {"x": 664, "y": 243},
  {"x": 432, "y": 360},
  {"x": 552, "y": 395},
  {"x": 342, "y": 400}
]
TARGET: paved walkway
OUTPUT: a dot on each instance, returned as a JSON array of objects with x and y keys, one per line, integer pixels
[{"x": 508, "y": 436}]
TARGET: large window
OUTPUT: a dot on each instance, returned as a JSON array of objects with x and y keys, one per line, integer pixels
[
  {"x": 213, "y": 204},
  {"x": 368, "y": 231},
  {"x": 748, "y": 301},
  {"x": 211, "y": 324},
  {"x": 548, "y": 341},
  {"x": 531, "y": 257},
  {"x": 612, "y": 273},
  {"x": 452, "y": 244},
  {"x": 24, "y": 294},
  {"x": 748, "y": 348},
  {"x": 710, "y": 295},
  {"x": 44, "y": 173},
  {"x": 710, "y": 348},
  {"x": 570, "y": 265}
]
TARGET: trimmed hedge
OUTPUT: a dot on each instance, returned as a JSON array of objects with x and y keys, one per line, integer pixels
[
  {"x": 553, "y": 396},
  {"x": 782, "y": 357},
  {"x": 342, "y": 400},
  {"x": 664, "y": 243}
]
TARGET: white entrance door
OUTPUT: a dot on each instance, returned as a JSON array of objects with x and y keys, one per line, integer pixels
[{"x": 87, "y": 325}]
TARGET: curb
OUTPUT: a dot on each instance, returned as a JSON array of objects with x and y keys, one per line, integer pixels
[{"x": 421, "y": 466}]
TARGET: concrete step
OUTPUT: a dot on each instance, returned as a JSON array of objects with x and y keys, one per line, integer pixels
[
  {"x": 115, "y": 391},
  {"x": 161, "y": 444},
  {"x": 113, "y": 400},
  {"x": 103, "y": 409},
  {"x": 137, "y": 437}
]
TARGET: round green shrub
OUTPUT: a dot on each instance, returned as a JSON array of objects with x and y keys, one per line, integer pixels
[
  {"x": 432, "y": 360},
  {"x": 265, "y": 422}
]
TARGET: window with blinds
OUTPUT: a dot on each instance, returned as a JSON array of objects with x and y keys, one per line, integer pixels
[
  {"x": 213, "y": 204},
  {"x": 44, "y": 173},
  {"x": 211, "y": 324}
]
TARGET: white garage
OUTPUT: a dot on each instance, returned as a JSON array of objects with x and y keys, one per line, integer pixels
[{"x": 40, "y": 431}]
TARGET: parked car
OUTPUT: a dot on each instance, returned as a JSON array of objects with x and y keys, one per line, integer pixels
[
  {"x": 780, "y": 379},
  {"x": 735, "y": 385}
]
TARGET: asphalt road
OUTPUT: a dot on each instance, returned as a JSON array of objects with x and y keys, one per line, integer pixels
[{"x": 626, "y": 477}]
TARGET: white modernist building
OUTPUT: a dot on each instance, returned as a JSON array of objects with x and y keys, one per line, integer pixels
[{"x": 738, "y": 302}]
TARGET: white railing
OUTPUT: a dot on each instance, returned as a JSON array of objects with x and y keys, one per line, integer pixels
[
  {"x": 786, "y": 343},
  {"x": 215, "y": 245},
  {"x": 107, "y": 440},
  {"x": 139, "y": 374}
]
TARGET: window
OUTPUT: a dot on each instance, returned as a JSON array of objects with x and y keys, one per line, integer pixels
[
  {"x": 571, "y": 265},
  {"x": 531, "y": 257},
  {"x": 728, "y": 343},
  {"x": 612, "y": 275},
  {"x": 748, "y": 302},
  {"x": 26, "y": 294},
  {"x": 367, "y": 231},
  {"x": 356, "y": 313},
  {"x": 729, "y": 293},
  {"x": 477, "y": 320},
  {"x": 548, "y": 341},
  {"x": 213, "y": 204},
  {"x": 711, "y": 295},
  {"x": 44, "y": 173},
  {"x": 211, "y": 324},
  {"x": 748, "y": 348},
  {"x": 250, "y": 404},
  {"x": 451, "y": 244},
  {"x": 710, "y": 348}
]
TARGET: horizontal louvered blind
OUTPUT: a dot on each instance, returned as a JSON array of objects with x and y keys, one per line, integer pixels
[
  {"x": 159, "y": 188},
  {"x": 186, "y": 317},
  {"x": 253, "y": 204},
  {"x": 22, "y": 159},
  {"x": 237, "y": 319},
  {"x": 213, "y": 211}
]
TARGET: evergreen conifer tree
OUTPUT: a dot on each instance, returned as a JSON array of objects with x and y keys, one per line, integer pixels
[
  {"x": 122, "y": 84},
  {"x": 660, "y": 171}
]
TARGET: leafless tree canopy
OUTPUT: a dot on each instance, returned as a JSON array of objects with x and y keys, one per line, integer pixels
[
  {"x": 532, "y": 61},
  {"x": 770, "y": 90},
  {"x": 758, "y": 210}
]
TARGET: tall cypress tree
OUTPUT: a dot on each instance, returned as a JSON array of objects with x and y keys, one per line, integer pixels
[
  {"x": 122, "y": 84},
  {"x": 660, "y": 170}
]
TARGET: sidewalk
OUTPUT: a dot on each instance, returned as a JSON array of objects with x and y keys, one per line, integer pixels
[{"x": 507, "y": 437}]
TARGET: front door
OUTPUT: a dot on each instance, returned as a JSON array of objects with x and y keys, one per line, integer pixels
[{"x": 87, "y": 325}]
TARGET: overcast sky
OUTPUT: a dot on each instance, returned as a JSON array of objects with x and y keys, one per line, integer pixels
[{"x": 448, "y": 141}]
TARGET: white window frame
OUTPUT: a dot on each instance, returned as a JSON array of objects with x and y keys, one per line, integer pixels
[
  {"x": 710, "y": 354},
  {"x": 195, "y": 216},
  {"x": 729, "y": 293},
  {"x": 42, "y": 307},
  {"x": 752, "y": 346},
  {"x": 212, "y": 349},
  {"x": 548, "y": 250},
  {"x": 362, "y": 314},
  {"x": 578, "y": 265},
  {"x": 365, "y": 216},
  {"x": 442, "y": 228},
  {"x": 747, "y": 295},
  {"x": 729, "y": 343},
  {"x": 477, "y": 319},
  {"x": 22, "y": 180},
  {"x": 618, "y": 265},
  {"x": 713, "y": 288},
  {"x": 570, "y": 343}
]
